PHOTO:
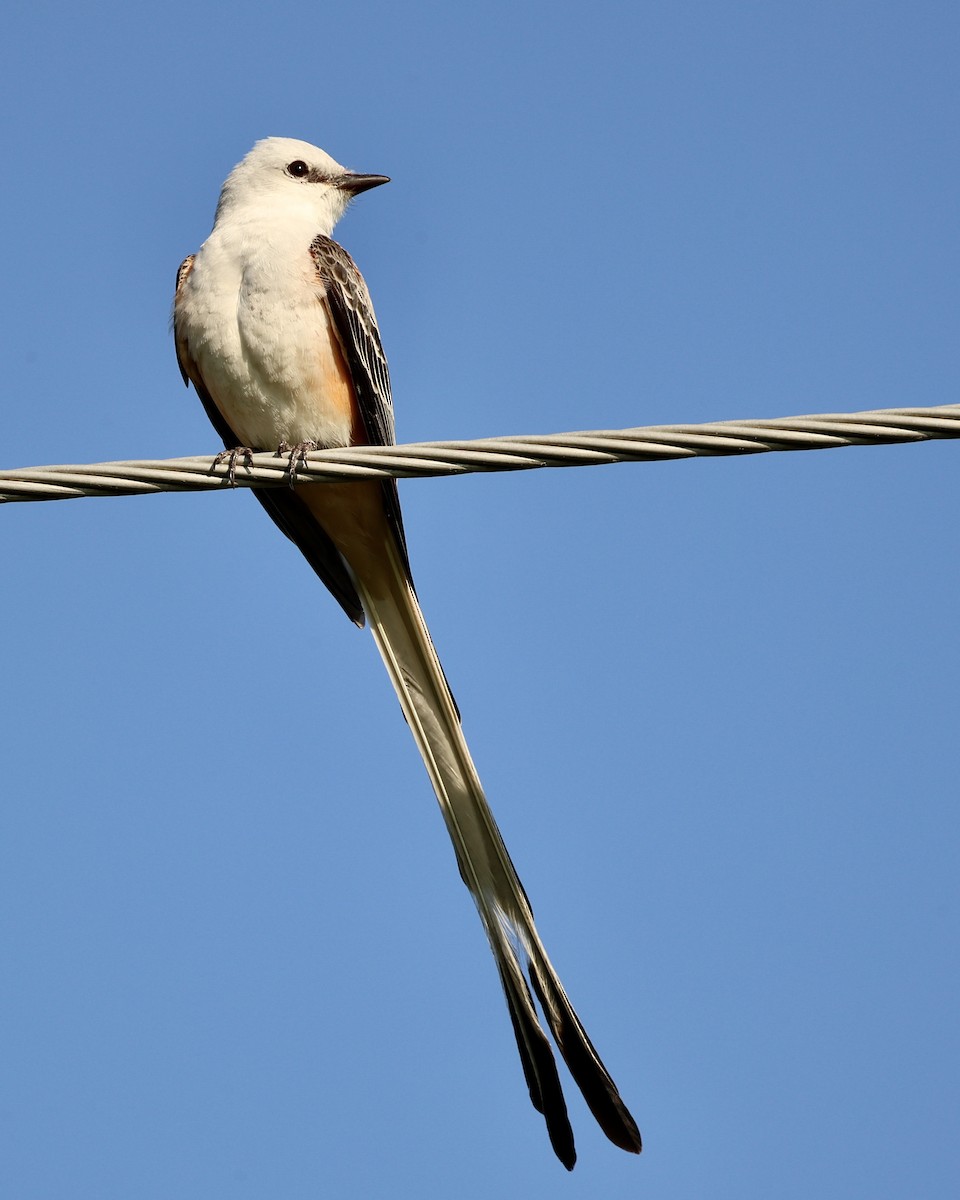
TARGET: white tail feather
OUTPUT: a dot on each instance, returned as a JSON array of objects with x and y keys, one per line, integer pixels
[{"x": 407, "y": 650}]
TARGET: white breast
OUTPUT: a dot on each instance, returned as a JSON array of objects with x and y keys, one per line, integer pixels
[{"x": 253, "y": 317}]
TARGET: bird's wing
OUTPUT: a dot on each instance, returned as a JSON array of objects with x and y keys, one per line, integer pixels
[{"x": 351, "y": 311}]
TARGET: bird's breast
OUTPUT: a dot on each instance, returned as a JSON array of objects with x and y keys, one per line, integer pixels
[{"x": 263, "y": 340}]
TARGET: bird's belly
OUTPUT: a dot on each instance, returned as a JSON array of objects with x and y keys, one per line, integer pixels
[{"x": 276, "y": 372}]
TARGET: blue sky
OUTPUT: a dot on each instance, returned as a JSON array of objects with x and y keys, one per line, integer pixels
[{"x": 713, "y": 703}]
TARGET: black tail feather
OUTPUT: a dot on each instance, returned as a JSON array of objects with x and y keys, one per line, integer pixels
[
  {"x": 539, "y": 1065},
  {"x": 589, "y": 1073}
]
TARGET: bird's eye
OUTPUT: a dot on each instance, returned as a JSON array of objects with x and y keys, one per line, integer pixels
[{"x": 298, "y": 168}]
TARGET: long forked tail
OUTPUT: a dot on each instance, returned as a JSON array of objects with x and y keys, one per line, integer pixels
[{"x": 407, "y": 650}]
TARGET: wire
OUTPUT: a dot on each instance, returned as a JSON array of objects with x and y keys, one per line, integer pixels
[{"x": 648, "y": 443}]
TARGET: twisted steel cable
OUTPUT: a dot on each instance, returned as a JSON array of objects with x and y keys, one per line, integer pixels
[{"x": 648, "y": 443}]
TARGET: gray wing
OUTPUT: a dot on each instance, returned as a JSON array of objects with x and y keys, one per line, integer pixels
[{"x": 355, "y": 325}]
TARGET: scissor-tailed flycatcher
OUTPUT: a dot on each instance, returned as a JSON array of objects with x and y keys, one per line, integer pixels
[{"x": 275, "y": 329}]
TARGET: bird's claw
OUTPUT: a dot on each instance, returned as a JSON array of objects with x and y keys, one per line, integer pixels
[
  {"x": 230, "y": 457},
  {"x": 296, "y": 456}
]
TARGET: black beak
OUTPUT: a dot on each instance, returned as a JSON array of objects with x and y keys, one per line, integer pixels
[{"x": 355, "y": 184}]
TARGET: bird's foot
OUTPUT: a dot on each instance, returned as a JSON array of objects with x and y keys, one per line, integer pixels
[
  {"x": 296, "y": 456},
  {"x": 231, "y": 457}
]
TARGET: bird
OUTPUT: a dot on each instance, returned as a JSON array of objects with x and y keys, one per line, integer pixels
[{"x": 274, "y": 327}]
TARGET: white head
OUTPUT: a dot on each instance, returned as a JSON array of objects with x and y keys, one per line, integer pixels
[{"x": 288, "y": 179}]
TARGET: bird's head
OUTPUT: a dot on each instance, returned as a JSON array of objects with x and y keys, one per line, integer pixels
[{"x": 285, "y": 178}]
